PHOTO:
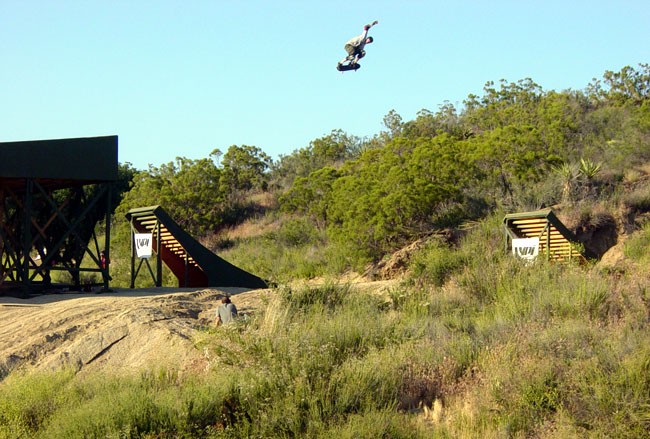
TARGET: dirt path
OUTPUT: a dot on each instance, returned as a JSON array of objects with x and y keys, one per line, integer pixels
[{"x": 125, "y": 330}]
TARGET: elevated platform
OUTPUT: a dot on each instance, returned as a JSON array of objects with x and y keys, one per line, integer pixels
[
  {"x": 192, "y": 263},
  {"x": 59, "y": 163},
  {"x": 556, "y": 242},
  {"x": 52, "y": 195}
]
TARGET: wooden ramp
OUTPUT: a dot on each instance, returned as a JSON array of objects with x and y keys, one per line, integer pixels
[
  {"x": 556, "y": 242},
  {"x": 192, "y": 263}
]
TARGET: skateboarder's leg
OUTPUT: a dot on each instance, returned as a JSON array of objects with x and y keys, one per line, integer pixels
[{"x": 350, "y": 49}]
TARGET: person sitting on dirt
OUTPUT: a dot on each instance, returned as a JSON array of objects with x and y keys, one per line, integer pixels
[
  {"x": 354, "y": 47},
  {"x": 227, "y": 311}
]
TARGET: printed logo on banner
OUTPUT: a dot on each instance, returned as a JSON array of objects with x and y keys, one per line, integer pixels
[
  {"x": 143, "y": 244},
  {"x": 525, "y": 248}
]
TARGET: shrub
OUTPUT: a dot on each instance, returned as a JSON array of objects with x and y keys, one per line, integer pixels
[
  {"x": 435, "y": 264},
  {"x": 639, "y": 200},
  {"x": 636, "y": 247},
  {"x": 297, "y": 232},
  {"x": 27, "y": 402}
]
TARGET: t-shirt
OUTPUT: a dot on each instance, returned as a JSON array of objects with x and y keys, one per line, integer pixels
[
  {"x": 359, "y": 41},
  {"x": 227, "y": 312}
]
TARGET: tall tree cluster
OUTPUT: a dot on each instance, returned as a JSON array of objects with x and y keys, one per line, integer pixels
[
  {"x": 440, "y": 169},
  {"x": 205, "y": 194},
  {"x": 451, "y": 166}
]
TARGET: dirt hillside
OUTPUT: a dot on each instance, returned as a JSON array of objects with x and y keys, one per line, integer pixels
[
  {"x": 126, "y": 330},
  {"x": 121, "y": 331}
]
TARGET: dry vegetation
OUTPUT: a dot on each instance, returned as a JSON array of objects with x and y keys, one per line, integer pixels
[{"x": 445, "y": 348}]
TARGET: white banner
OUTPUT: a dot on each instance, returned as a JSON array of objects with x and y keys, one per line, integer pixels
[
  {"x": 525, "y": 248},
  {"x": 143, "y": 244}
]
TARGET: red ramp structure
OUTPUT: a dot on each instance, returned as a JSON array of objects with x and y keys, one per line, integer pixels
[{"x": 192, "y": 263}]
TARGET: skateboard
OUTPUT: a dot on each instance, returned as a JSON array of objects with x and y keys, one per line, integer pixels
[{"x": 350, "y": 66}]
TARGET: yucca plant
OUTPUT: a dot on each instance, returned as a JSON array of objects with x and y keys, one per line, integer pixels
[
  {"x": 589, "y": 169},
  {"x": 568, "y": 173}
]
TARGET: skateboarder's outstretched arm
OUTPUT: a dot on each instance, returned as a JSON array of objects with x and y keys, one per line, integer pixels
[
  {"x": 368, "y": 26},
  {"x": 362, "y": 38}
]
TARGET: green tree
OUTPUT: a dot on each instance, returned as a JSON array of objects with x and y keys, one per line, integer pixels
[
  {"x": 189, "y": 190},
  {"x": 331, "y": 150},
  {"x": 428, "y": 124},
  {"x": 628, "y": 85},
  {"x": 311, "y": 195},
  {"x": 244, "y": 169},
  {"x": 393, "y": 194},
  {"x": 393, "y": 122},
  {"x": 511, "y": 104}
]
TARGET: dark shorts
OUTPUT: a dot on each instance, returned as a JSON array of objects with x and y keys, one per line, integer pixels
[{"x": 351, "y": 50}]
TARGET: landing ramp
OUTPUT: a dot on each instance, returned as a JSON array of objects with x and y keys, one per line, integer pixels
[
  {"x": 192, "y": 263},
  {"x": 555, "y": 241}
]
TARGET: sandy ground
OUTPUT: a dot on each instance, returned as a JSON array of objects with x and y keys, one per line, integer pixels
[
  {"x": 124, "y": 331},
  {"x": 121, "y": 331}
]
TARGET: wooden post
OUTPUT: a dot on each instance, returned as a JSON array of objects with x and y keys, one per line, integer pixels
[
  {"x": 132, "y": 255},
  {"x": 158, "y": 255}
]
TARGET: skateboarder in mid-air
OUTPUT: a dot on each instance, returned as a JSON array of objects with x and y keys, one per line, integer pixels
[{"x": 355, "y": 49}]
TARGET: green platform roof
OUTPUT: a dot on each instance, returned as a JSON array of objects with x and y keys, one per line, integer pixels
[{"x": 86, "y": 159}]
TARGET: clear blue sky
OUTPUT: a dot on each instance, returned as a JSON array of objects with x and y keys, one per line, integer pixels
[{"x": 181, "y": 78}]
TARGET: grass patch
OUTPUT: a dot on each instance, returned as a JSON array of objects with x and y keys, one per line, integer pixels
[
  {"x": 636, "y": 247},
  {"x": 488, "y": 347}
]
